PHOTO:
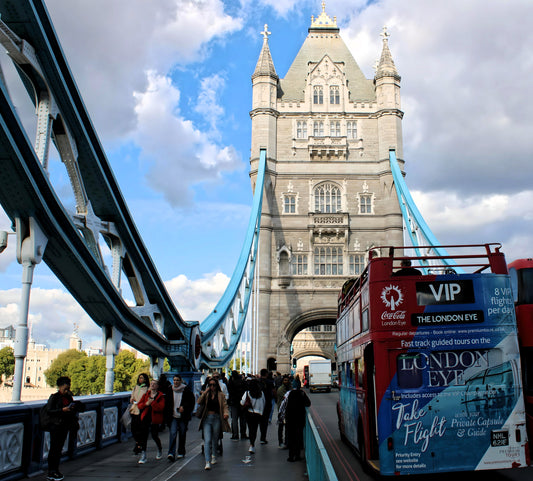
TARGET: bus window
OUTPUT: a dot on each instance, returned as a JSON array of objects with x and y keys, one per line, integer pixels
[
  {"x": 365, "y": 320},
  {"x": 360, "y": 371},
  {"x": 352, "y": 375},
  {"x": 409, "y": 372},
  {"x": 527, "y": 367},
  {"x": 513, "y": 275}
]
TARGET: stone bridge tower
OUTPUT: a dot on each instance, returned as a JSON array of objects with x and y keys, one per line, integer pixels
[{"x": 329, "y": 194}]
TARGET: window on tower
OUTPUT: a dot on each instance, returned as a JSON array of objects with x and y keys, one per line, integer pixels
[
  {"x": 351, "y": 130},
  {"x": 289, "y": 204},
  {"x": 327, "y": 199},
  {"x": 357, "y": 264},
  {"x": 318, "y": 128},
  {"x": 318, "y": 94},
  {"x": 334, "y": 97},
  {"x": 328, "y": 261},
  {"x": 335, "y": 128},
  {"x": 299, "y": 265},
  {"x": 365, "y": 204},
  {"x": 301, "y": 129}
]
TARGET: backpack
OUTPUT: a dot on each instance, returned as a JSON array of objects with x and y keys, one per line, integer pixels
[{"x": 45, "y": 419}]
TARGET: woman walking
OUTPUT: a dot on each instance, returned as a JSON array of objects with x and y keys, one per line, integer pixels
[
  {"x": 152, "y": 407},
  {"x": 253, "y": 400},
  {"x": 140, "y": 388},
  {"x": 215, "y": 414}
]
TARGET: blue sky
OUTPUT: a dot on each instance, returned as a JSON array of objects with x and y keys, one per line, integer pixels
[{"x": 169, "y": 91}]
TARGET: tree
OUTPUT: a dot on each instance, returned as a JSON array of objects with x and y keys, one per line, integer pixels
[
  {"x": 60, "y": 365},
  {"x": 127, "y": 369},
  {"x": 87, "y": 375},
  {"x": 7, "y": 362}
]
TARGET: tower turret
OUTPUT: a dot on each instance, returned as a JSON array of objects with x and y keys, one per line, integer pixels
[
  {"x": 264, "y": 112},
  {"x": 387, "y": 84}
]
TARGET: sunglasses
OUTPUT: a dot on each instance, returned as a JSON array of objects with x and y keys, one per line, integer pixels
[{"x": 212, "y": 385}]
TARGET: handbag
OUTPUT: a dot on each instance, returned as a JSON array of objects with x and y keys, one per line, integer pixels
[
  {"x": 126, "y": 418},
  {"x": 247, "y": 403}
]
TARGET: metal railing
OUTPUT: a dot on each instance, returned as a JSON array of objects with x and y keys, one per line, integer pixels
[
  {"x": 319, "y": 467},
  {"x": 24, "y": 446}
]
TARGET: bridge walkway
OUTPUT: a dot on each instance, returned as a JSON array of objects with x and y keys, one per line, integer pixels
[{"x": 236, "y": 464}]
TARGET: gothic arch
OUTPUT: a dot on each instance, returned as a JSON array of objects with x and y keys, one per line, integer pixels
[
  {"x": 313, "y": 317},
  {"x": 314, "y": 352}
]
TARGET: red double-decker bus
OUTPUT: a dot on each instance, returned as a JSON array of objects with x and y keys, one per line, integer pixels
[
  {"x": 429, "y": 363},
  {"x": 521, "y": 272}
]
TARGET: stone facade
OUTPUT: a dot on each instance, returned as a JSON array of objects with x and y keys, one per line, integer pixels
[{"x": 329, "y": 194}]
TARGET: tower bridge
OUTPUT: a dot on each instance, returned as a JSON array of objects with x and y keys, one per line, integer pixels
[{"x": 326, "y": 169}]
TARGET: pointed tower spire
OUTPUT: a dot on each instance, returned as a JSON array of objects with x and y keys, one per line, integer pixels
[
  {"x": 386, "y": 67},
  {"x": 265, "y": 65}
]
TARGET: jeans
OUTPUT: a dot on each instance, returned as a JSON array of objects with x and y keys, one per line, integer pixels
[
  {"x": 178, "y": 427},
  {"x": 211, "y": 432},
  {"x": 238, "y": 421},
  {"x": 253, "y": 420}
]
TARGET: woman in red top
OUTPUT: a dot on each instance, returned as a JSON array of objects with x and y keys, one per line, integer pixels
[{"x": 151, "y": 406}]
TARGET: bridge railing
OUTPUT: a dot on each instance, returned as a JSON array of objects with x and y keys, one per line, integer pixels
[
  {"x": 319, "y": 467},
  {"x": 24, "y": 447}
]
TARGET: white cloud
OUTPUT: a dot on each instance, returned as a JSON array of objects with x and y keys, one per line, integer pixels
[
  {"x": 464, "y": 80},
  {"x": 109, "y": 46},
  {"x": 197, "y": 298},
  {"x": 52, "y": 316},
  {"x": 179, "y": 155},
  {"x": 208, "y": 105}
]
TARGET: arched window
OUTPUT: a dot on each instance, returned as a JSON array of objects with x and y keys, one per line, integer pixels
[
  {"x": 327, "y": 199},
  {"x": 318, "y": 94},
  {"x": 334, "y": 97},
  {"x": 328, "y": 261}
]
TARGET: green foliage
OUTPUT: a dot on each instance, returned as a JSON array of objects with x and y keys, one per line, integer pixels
[
  {"x": 127, "y": 370},
  {"x": 60, "y": 365},
  {"x": 87, "y": 375},
  {"x": 7, "y": 362}
]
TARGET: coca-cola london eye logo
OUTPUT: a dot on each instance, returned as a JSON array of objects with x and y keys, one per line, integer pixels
[{"x": 392, "y": 297}]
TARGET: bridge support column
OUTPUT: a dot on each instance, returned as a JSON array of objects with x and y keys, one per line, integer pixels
[
  {"x": 156, "y": 366},
  {"x": 31, "y": 243},
  {"x": 111, "y": 342}
]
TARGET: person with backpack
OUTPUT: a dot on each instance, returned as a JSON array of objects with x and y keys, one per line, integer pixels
[{"x": 60, "y": 417}]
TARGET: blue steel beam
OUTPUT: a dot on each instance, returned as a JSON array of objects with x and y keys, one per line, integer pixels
[
  {"x": 222, "y": 328},
  {"x": 420, "y": 235}
]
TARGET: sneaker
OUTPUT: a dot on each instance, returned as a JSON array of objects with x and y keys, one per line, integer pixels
[
  {"x": 170, "y": 457},
  {"x": 207, "y": 466},
  {"x": 159, "y": 454},
  {"x": 251, "y": 449},
  {"x": 281, "y": 446},
  {"x": 213, "y": 459},
  {"x": 180, "y": 456},
  {"x": 264, "y": 441},
  {"x": 143, "y": 459},
  {"x": 55, "y": 476}
]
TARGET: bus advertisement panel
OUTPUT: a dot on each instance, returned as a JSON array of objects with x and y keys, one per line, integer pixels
[{"x": 434, "y": 382}]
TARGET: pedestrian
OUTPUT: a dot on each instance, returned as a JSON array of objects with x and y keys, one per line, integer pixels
[
  {"x": 62, "y": 411},
  {"x": 296, "y": 402},
  {"x": 268, "y": 391},
  {"x": 215, "y": 415},
  {"x": 166, "y": 388},
  {"x": 143, "y": 381},
  {"x": 253, "y": 401},
  {"x": 182, "y": 406},
  {"x": 238, "y": 419},
  {"x": 221, "y": 384},
  {"x": 152, "y": 407},
  {"x": 282, "y": 427}
]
